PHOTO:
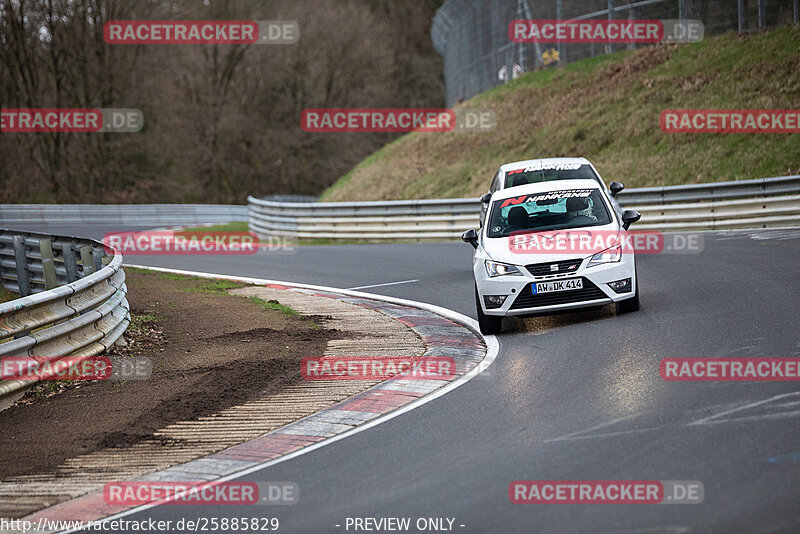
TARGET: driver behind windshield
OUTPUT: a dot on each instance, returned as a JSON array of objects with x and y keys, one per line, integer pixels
[{"x": 558, "y": 210}]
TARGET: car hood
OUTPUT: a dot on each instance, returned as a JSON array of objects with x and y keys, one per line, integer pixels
[{"x": 502, "y": 249}]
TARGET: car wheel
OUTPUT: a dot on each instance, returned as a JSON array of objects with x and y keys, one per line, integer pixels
[
  {"x": 631, "y": 304},
  {"x": 489, "y": 324}
]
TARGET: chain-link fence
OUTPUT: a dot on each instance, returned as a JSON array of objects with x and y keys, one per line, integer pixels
[{"x": 472, "y": 35}]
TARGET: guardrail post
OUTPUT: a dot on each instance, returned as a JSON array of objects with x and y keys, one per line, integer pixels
[
  {"x": 762, "y": 14},
  {"x": 741, "y": 16},
  {"x": 610, "y": 17},
  {"x": 86, "y": 260},
  {"x": 97, "y": 255},
  {"x": 21, "y": 259},
  {"x": 560, "y": 15},
  {"x": 631, "y": 17},
  {"x": 70, "y": 261},
  {"x": 48, "y": 265}
]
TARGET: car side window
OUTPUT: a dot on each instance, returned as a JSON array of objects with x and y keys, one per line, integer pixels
[{"x": 495, "y": 183}]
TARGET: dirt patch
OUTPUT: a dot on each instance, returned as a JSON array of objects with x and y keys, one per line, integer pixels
[{"x": 210, "y": 351}]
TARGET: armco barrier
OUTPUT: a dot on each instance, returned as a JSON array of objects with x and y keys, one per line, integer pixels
[
  {"x": 760, "y": 203},
  {"x": 760, "y": 187},
  {"x": 73, "y": 299},
  {"x": 388, "y": 220},
  {"x": 742, "y": 204},
  {"x": 131, "y": 214}
]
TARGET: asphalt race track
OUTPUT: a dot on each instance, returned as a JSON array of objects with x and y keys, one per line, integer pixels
[{"x": 571, "y": 397}]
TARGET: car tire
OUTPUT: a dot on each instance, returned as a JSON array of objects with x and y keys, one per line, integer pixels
[
  {"x": 488, "y": 324},
  {"x": 631, "y": 304}
]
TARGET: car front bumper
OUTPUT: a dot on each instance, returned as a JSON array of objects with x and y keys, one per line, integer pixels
[{"x": 520, "y": 299}]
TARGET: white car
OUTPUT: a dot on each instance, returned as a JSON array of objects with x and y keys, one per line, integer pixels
[
  {"x": 552, "y": 246},
  {"x": 532, "y": 171}
]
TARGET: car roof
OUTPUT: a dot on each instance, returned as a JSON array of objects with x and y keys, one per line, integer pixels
[
  {"x": 545, "y": 187},
  {"x": 542, "y": 161}
]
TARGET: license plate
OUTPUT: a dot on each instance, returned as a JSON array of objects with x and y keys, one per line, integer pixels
[{"x": 557, "y": 285}]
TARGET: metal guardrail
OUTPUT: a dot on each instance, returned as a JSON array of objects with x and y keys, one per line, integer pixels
[
  {"x": 139, "y": 214},
  {"x": 741, "y": 204},
  {"x": 377, "y": 220},
  {"x": 73, "y": 300},
  {"x": 711, "y": 191}
]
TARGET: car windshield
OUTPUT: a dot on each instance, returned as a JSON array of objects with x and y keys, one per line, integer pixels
[
  {"x": 554, "y": 210},
  {"x": 549, "y": 173}
]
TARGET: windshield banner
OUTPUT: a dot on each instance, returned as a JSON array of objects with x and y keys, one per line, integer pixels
[{"x": 552, "y": 195}]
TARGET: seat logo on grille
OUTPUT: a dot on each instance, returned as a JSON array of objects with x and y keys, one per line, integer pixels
[{"x": 554, "y": 267}]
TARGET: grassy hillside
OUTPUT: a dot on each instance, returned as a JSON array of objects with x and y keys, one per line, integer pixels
[{"x": 607, "y": 109}]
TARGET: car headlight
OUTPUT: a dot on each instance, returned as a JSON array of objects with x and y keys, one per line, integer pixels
[
  {"x": 609, "y": 255},
  {"x": 495, "y": 268}
]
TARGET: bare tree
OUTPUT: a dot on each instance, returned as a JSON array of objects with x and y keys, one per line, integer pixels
[{"x": 221, "y": 121}]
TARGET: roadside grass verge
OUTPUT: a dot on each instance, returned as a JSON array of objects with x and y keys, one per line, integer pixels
[
  {"x": 159, "y": 274},
  {"x": 210, "y": 286},
  {"x": 214, "y": 286},
  {"x": 140, "y": 323},
  {"x": 274, "y": 305}
]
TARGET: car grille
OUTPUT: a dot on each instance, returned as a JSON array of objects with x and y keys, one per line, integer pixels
[
  {"x": 526, "y": 299},
  {"x": 545, "y": 269}
]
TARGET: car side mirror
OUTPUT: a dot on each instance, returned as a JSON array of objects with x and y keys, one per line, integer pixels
[
  {"x": 616, "y": 187},
  {"x": 629, "y": 217},
  {"x": 471, "y": 237},
  {"x": 486, "y": 197}
]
